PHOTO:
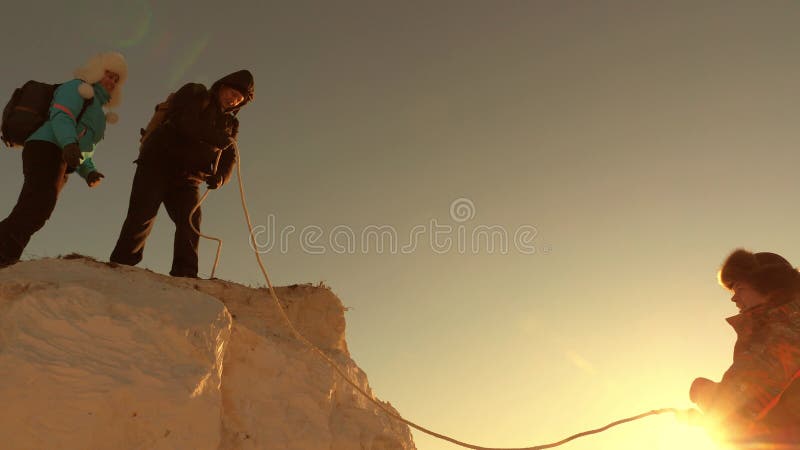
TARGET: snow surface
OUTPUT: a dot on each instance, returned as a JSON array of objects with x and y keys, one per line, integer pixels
[{"x": 94, "y": 356}]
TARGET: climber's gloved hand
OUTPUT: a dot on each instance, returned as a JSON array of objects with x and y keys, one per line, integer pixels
[
  {"x": 231, "y": 141},
  {"x": 702, "y": 392},
  {"x": 72, "y": 155},
  {"x": 214, "y": 181},
  {"x": 225, "y": 142},
  {"x": 94, "y": 178}
]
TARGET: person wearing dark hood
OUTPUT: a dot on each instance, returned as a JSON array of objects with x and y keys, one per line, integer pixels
[
  {"x": 195, "y": 143},
  {"x": 65, "y": 143},
  {"x": 757, "y": 402}
]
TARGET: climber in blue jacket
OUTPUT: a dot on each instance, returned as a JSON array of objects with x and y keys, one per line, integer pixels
[{"x": 63, "y": 145}]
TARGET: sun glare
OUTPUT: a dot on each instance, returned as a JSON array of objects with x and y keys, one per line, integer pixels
[{"x": 677, "y": 436}]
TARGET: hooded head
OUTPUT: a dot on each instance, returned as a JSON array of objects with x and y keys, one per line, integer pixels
[
  {"x": 766, "y": 272},
  {"x": 94, "y": 70},
  {"x": 242, "y": 81}
]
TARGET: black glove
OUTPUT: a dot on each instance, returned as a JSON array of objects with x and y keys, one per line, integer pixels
[
  {"x": 93, "y": 179},
  {"x": 72, "y": 155},
  {"x": 222, "y": 140},
  {"x": 231, "y": 141},
  {"x": 214, "y": 181}
]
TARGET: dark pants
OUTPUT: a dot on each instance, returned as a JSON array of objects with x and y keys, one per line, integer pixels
[
  {"x": 153, "y": 185},
  {"x": 45, "y": 174}
]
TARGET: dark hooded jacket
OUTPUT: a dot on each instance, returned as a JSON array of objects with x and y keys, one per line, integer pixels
[{"x": 196, "y": 129}]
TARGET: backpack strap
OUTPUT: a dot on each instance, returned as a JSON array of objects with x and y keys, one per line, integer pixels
[{"x": 86, "y": 103}]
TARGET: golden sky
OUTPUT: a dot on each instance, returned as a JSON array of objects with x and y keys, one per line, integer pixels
[{"x": 638, "y": 142}]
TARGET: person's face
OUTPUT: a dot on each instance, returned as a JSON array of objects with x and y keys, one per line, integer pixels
[
  {"x": 229, "y": 97},
  {"x": 746, "y": 297},
  {"x": 109, "y": 80}
]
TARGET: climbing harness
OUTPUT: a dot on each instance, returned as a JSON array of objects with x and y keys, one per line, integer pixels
[{"x": 344, "y": 376}]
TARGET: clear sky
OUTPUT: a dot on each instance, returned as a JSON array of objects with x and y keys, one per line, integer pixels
[{"x": 630, "y": 145}]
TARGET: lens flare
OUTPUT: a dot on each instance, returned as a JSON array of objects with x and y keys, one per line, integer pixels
[
  {"x": 187, "y": 60},
  {"x": 141, "y": 25},
  {"x": 116, "y": 24}
]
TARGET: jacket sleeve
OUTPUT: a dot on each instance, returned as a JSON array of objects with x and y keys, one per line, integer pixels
[
  {"x": 759, "y": 374},
  {"x": 87, "y": 146},
  {"x": 87, "y": 166},
  {"x": 187, "y": 104},
  {"x": 66, "y": 107}
]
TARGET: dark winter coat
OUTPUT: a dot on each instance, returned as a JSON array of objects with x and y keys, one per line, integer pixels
[
  {"x": 759, "y": 395},
  {"x": 196, "y": 130}
]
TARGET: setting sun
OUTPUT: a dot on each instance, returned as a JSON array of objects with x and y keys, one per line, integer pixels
[{"x": 677, "y": 436}]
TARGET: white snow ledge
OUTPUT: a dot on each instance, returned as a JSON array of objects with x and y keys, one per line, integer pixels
[{"x": 94, "y": 356}]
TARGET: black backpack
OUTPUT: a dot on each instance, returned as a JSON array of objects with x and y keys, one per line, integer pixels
[
  {"x": 28, "y": 110},
  {"x": 159, "y": 118}
]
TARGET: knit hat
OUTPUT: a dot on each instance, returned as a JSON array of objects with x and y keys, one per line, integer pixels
[{"x": 764, "y": 271}]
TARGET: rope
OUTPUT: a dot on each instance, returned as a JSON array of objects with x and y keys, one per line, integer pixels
[
  {"x": 191, "y": 214},
  {"x": 601, "y": 429},
  {"x": 219, "y": 241},
  {"x": 338, "y": 370}
]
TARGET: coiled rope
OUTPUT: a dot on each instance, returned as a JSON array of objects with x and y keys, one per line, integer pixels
[{"x": 342, "y": 374}]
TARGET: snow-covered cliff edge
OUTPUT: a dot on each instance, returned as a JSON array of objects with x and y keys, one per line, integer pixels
[{"x": 94, "y": 356}]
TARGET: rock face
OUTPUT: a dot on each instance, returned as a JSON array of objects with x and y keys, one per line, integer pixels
[{"x": 97, "y": 357}]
